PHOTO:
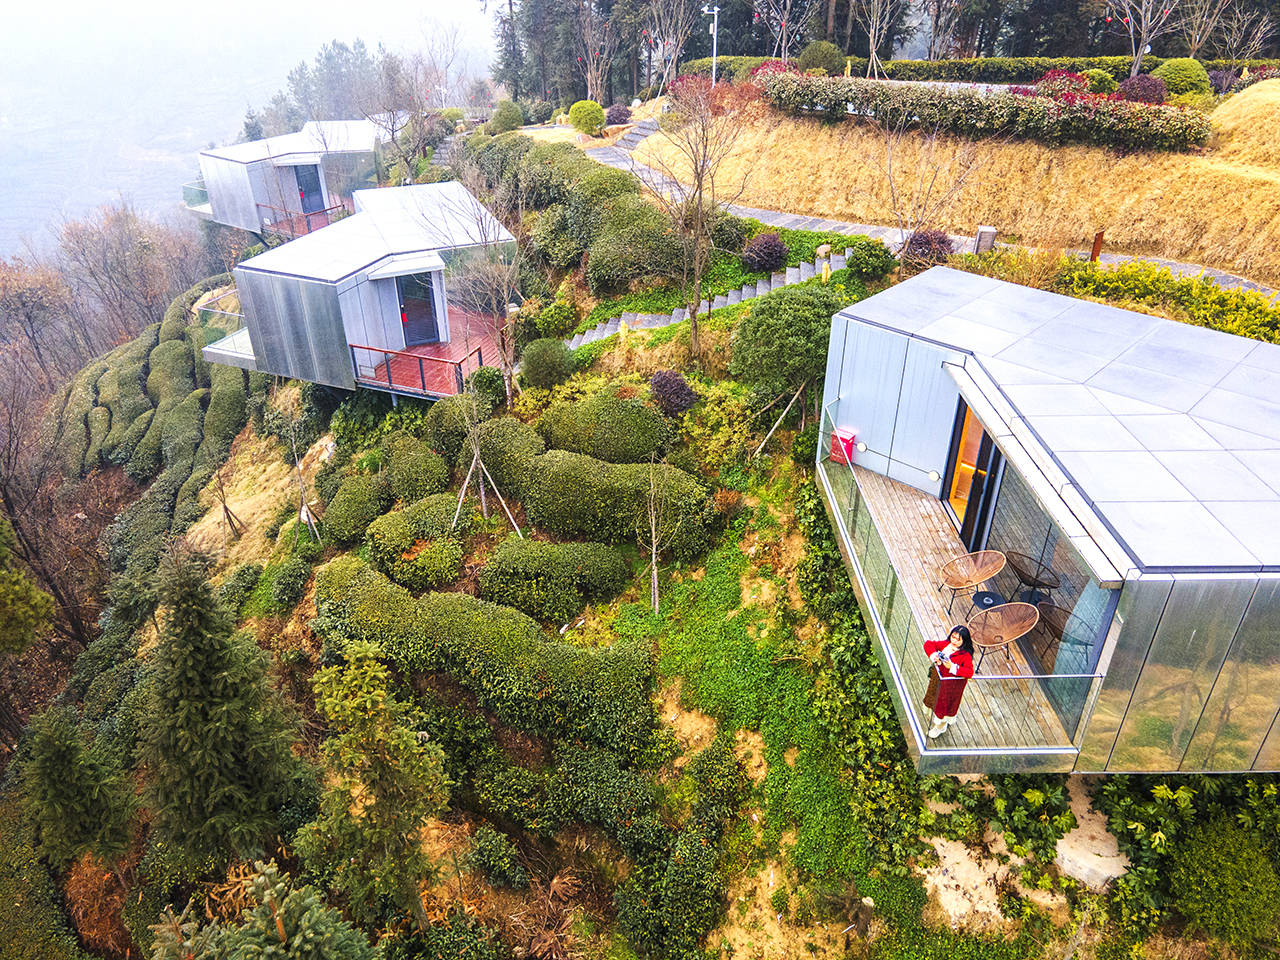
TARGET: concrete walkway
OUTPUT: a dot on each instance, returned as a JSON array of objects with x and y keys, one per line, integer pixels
[{"x": 622, "y": 159}]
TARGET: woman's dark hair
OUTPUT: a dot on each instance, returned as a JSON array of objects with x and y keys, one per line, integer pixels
[{"x": 966, "y": 638}]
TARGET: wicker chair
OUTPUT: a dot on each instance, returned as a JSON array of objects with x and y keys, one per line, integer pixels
[
  {"x": 1000, "y": 626},
  {"x": 1034, "y": 575},
  {"x": 968, "y": 571}
]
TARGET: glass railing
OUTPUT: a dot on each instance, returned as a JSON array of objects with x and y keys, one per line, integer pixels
[
  {"x": 194, "y": 194},
  {"x": 1006, "y": 708},
  {"x": 222, "y": 311}
]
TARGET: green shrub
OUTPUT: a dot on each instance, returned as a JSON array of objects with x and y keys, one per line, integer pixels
[
  {"x": 237, "y": 587},
  {"x": 1100, "y": 81},
  {"x": 290, "y": 583},
  {"x": 546, "y": 363},
  {"x": 605, "y": 427},
  {"x": 587, "y": 116},
  {"x": 634, "y": 240},
  {"x": 494, "y": 855},
  {"x": 359, "y": 500},
  {"x": 1224, "y": 885},
  {"x": 506, "y": 116},
  {"x": 552, "y": 581},
  {"x": 551, "y": 240},
  {"x": 419, "y": 547},
  {"x": 782, "y": 342},
  {"x": 822, "y": 55},
  {"x": 729, "y": 232},
  {"x": 498, "y": 653},
  {"x": 448, "y": 422},
  {"x": 574, "y": 495},
  {"x": 458, "y": 938},
  {"x": 1183, "y": 75},
  {"x": 329, "y": 477},
  {"x": 413, "y": 471},
  {"x": 489, "y": 384},
  {"x": 508, "y": 448}
]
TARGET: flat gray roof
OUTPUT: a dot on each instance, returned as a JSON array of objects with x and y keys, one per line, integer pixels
[
  {"x": 1170, "y": 431},
  {"x": 389, "y": 222},
  {"x": 315, "y": 137}
]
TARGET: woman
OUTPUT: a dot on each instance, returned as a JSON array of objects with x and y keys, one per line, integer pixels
[{"x": 953, "y": 659}]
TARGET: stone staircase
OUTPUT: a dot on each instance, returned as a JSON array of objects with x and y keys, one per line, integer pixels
[
  {"x": 631, "y": 139},
  {"x": 652, "y": 321}
]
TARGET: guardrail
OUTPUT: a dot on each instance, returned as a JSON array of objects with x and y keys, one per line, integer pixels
[
  {"x": 194, "y": 193},
  {"x": 401, "y": 371},
  {"x": 291, "y": 223}
]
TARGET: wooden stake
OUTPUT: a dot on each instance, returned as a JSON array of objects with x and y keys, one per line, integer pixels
[
  {"x": 475, "y": 458},
  {"x": 777, "y": 423},
  {"x": 501, "y": 500}
]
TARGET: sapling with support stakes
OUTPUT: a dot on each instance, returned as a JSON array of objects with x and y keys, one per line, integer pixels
[
  {"x": 782, "y": 416},
  {"x": 654, "y": 532}
]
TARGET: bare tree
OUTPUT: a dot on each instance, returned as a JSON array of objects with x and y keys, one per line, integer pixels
[
  {"x": 786, "y": 20},
  {"x": 391, "y": 104},
  {"x": 35, "y": 306},
  {"x": 441, "y": 66},
  {"x": 1199, "y": 22},
  {"x": 877, "y": 18},
  {"x": 1143, "y": 22},
  {"x": 923, "y": 185},
  {"x": 670, "y": 24},
  {"x": 597, "y": 40},
  {"x": 1244, "y": 34},
  {"x": 944, "y": 18},
  {"x": 689, "y": 185},
  {"x": 657, "y": 526}
]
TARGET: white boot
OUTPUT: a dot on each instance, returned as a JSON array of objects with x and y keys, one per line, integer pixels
[
  {"x": 938, "y": 728},
  {"x": 948, "y": 721}
]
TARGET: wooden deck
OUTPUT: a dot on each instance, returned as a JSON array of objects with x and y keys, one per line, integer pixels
[
  {"x": 432, "y": 369},
  {"x": 919, "y": 537}
]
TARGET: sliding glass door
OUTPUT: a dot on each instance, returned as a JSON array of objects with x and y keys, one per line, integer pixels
[{"x": 973, "y": 469}]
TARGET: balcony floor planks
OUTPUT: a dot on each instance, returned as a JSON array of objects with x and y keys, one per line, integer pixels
[{"x": 920, "y": 537}]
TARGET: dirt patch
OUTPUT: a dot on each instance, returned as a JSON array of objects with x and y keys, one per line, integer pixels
[
  {"x": 755, "y": 928},
  {"x": 963, "y": 888},
  {"x": 758, "y": 592},
  {"x": 749, "y": 748},
  {"x": 693, "y": 728},
  {"x": 296, "y": 632},
  {"x": 1090, "y": 853}
]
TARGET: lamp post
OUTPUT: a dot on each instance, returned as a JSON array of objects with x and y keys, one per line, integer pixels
[{"x": 714, "y": 13}]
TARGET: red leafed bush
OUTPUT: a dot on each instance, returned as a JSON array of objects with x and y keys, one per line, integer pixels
[
  {"x": 618, "y": 113},
  {"x": 1055, "y": 83},
  {"x": 692, "y": 94},
  {"x": 671, "y": 392},
  {"x": 765, "y": 251},
  {"x": 1143, "y": 88},
  {"x": 770, "y": 67}
]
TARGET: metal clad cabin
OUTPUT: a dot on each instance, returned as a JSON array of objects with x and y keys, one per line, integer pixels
[
  {"x": 365, "y": 301},
  {"x": 290, "y": 184},
  {"x": 1127, "y": 468}
]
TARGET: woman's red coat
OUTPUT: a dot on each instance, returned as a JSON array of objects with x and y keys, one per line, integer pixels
[{"x": 951, "y": 687}]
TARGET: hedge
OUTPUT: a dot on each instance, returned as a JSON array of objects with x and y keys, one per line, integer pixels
[
  {"x": 575, "y": 495},
  {"x": 1100, "y": 121},
  {"x": 605, "y": 427},
  {"x": 552, "y": 581},
  {"x": 359, "y": 499},
  {"x": 74, "y": 432},
  {"x": 508, "y": 448},
  {"x": 418, "y": 547},
  {"x": 412, "y": 470},
  {"x": 448, "y": 420},
  {"x": 500, "y": 654},
  {"x": 121, "y": 389}
]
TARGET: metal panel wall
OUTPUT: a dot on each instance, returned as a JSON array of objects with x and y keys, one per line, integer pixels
[
  {"x": 230, "y": 192},
  {"x": 1197, "y": 627},
  {"x": 1245, "y": 698},
  {"x": 926, "y": 416},
  {"x": 1138, "y": 613},
  {"x": 870, "y": 382},
  {"x": 296, "y": 328}
]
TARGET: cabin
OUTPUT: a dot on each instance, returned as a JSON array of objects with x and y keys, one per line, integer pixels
[
  {"x": 1094, "y": 491},
  {"x": 366, "y": 302},
  {"x": 288, "y": 185}
]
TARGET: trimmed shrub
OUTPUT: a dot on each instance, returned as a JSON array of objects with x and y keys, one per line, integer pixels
[
  {"x": 447, "y": 423},
  {"x": 671, "y": 392},
  {"x": 822, "y": 55},
  {"x": 413, "y": 470},
  {"x": 605, "y": 427},
  {"x": 729, "y": 232},
  {"x": 488, "y": 383},
  {"x": 546, "y": 363},
  {"x": 540, "y": 111},
  {"x": 616, "y": 114},
  {"x": 508, "y": 448},
  {"x": 494, "y": 855},
  {"x": 418, "y": 547},
  {"x": 359, "y": 499},
  {"x": 1100, "y": 81},
  {"x": 1183, "y": 75},
  {"x": 290, "y": 583},
  {"x": 927, "y": 248},
  {"x": 506, "y": 116},
  {"x": 587, "y": 116},
  {"x": 1143, "y": 88},
  {"x": 765, "y": 252},
  {"x": 634, "y": 240},
  {"x": 574, "y": 495},
  {"x": 1224, "y": 884},
  {"x": 237, "y": 587},
  {"x": 783, "y": 341},
  {"x": 868, "y": 259},
  {"x": 500, "y": 654},
  {"x": 552, "y": 581}
]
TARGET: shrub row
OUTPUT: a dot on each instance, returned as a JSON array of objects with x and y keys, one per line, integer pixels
[
  {"x": 572, "y": 494},
  {"x": 413, "y": 470},
  {"x": 1112, "y": 123},
  {"x": 448, "y": 420},
  {"x": 552, "y": 581},
  {"x": 605, "y": 427},
  {"x": 527, "y": 681},
  {"x": 507, "y": 447},
  {"x": 419, "y": 547},
  {"x": 360, "y": 499}
]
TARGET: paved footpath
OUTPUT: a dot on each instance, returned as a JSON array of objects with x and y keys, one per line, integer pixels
[{"x": 622, "y": 159}]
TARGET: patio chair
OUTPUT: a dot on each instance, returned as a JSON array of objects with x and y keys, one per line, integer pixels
[
  {"x": 1000, "y": 626},
  {"x": 1034, "y": 575},
  {"x": 1054, "y": 624},
  {"x": 968, "y": 571}
]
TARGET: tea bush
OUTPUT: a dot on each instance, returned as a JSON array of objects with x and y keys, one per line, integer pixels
[
  {"x": 237, "y": 586},
  {"x": 552, "y": 581},
  {"x": 634, "y": 239},
  {"x": 359, "y": 499},
  {"x": 494, "y": 855},
  {"x": 506, "y": 116},
  {"x": 572, "y": 494},
  {"x": 507, "y": 448},
  {"x": 419, "y": 547},
  {"x": 605, "y": 427},
  {"x": 546, "y": 363},
  {"x": 1183, "y": 75},
  {"x": 413, "y": 471},
  {"x": 782, "y": 342},
  {"x": 448, "y": 422},
  {"x": 290, "y": 583}
]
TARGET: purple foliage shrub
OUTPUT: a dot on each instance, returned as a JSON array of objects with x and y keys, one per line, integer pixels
[
  {"x": 765, "y": 251},
  {"x": 1222, "y": 80},
  {"x": 618, "y": 113},
  {"x": 671, "y": 392},
  {"x": 925, "y": 248},
  {"x": 1143, "y": 88}
]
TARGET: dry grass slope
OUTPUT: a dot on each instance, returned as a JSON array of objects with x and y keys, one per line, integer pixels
[{"x": 1220, "y": 208}]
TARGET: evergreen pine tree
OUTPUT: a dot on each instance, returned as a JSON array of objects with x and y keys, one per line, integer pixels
[
  {"x": 79, "y": 802},
  {"x": 386, "y": 781},
  {"x": 217, "y": 748}
]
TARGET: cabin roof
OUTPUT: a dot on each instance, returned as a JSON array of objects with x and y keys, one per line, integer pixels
[{"x": 316, "y": 137}]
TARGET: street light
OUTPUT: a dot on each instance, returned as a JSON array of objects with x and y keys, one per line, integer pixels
[{"x": 714, "y": 13}]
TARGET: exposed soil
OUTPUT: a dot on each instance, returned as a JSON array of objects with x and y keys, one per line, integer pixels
[
  {"x": 1090, "y": 853},
  {"x": 693, "y": 728},
  {"x": 749, "y": 748}
]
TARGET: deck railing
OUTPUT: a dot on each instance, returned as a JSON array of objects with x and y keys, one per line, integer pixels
[
  {"x": 217, "y": 310},
  {"x": 194, "y": 193},
  {"x": 1016, "y": 700},
  {"x": 400, "y": 371},
  {"x": 292, "y": 223}
]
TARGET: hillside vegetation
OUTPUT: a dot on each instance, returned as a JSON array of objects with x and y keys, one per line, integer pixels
[{"x": 1220, "y": 208}]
